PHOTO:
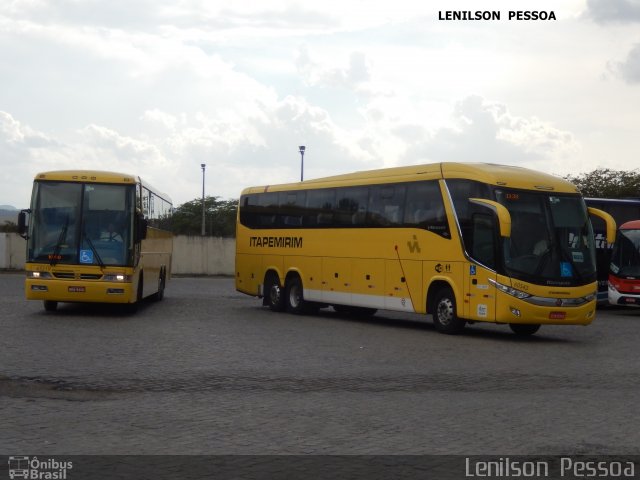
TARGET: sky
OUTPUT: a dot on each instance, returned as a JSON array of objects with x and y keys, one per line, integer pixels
[{"x": 158, "y": 87}]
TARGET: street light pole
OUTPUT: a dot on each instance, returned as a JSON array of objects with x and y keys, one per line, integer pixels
[
  {"x": 302, "y": 148},
  {"x": 203, "y": 167}
]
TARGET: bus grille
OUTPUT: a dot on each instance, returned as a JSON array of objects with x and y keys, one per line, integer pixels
[
  {"x": 82, "y": 276},
  {"x": 63, "y": 274}
]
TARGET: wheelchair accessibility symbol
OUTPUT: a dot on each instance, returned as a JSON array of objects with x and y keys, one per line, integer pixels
[{"x": 86, "y": 256}]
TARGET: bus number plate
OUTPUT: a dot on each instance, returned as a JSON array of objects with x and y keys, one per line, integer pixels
[{"x": 77, "y": 289}]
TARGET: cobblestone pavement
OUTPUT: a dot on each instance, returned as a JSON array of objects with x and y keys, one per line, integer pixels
[{"x": 210, "y": 371}]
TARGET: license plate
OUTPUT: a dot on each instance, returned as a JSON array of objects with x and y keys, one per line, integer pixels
[
  {"x": 76, "y": 289},
  {"x": 557, "y": 315}
]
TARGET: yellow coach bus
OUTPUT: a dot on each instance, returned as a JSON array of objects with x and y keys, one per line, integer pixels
[
  {"x": 463, "y": 242},
  {"x": 96, "y": 237}
]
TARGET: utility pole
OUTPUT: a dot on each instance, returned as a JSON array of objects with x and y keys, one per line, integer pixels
[
  {"x": 203, "y": 167},
  {"x": 302, "y": 148}
]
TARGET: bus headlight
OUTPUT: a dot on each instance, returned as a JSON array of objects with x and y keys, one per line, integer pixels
[
  {"x": 612, "y": 287},
  {"x": 591, "y": 297},
  {"x": 514, "y": 292},
  {"x": 39, "y": 275},
  {"x": 116, "y": 277}
]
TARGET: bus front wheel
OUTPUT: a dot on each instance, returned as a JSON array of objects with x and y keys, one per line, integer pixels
[
  {"x": 274, "y": 297},
  {"x": 445, "y": 317},
  {"x": 523, "y": 329}
]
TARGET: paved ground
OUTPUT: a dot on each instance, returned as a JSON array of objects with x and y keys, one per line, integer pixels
[{"x": 209, "y": 371}]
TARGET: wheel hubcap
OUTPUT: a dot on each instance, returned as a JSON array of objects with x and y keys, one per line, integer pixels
[
  {"x": 445, "y": 311},
  {"x": 294, "y": 297},
  {"x": 274, "y": 294}
]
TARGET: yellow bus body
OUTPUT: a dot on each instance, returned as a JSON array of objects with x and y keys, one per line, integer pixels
[{"x": 402, "y": 269}]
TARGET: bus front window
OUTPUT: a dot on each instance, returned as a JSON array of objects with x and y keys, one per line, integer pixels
[
  {"x": 55, "y": 222},
  {"x": 107, "y": 227},
  {"x": 75, "y": 223},
  {"x": 625, "y": 258},
  {"x": 551, "y": 238}
]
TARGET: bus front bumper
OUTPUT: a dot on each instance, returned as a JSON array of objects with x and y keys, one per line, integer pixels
[
  {"x": 623, "y": 298},
  {"x": 73, "y": 291},
  {"x": 512, "y": 310}
]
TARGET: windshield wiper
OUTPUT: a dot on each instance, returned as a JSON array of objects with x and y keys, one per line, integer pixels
[
  {"x": 93, "y": 249},
  {"x": 61, "y": 238}
]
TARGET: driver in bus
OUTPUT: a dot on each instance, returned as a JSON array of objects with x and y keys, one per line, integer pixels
[{"x": 111, "y": 234}]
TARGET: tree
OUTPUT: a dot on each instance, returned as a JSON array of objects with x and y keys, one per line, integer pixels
[
  {"x": 220, "y": 217},
  {"x": 607, "y": 183},
  {"x": 9, "y": 227}
]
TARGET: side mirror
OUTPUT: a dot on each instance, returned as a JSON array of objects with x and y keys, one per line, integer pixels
[
  {"x": 22, "y": 223},
  {"x": 609, "y": 222},
  {"x": 141, "y": 228},
  {"x": 504, "y": 217}
]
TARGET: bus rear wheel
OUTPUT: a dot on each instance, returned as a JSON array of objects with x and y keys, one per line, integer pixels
[
  {"x": 294, "y": 297},
  {"x": 444, "y": 313},
  {"x": 523, "y": 329}
]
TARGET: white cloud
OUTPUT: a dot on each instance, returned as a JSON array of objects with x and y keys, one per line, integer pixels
[
  {"x": 487, "y": 132},
  {"x": 629, "y": 69},
  {"x": 622, "y": 11},
  {"x": 350, "y": 77},
  {"x": 157, "y": 88}
]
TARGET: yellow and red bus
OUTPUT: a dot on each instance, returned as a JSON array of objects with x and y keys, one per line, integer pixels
[
  {"x": 96, "y": 236},
  {"x": 464, "y": 242}
]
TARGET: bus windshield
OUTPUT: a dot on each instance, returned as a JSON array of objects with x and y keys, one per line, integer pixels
[
  {"x": 81, "y": 223},
  {"x": 551, "y": 238},
  {"x": 625, "y": 258}
]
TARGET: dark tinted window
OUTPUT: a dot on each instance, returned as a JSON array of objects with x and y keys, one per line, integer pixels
[
  {"x": 320, "y": 207},
  {"x": 386, "y": 205},
  {"x": 461, "y": 191},
  {"x": 351, "y": 208},
  {"x": 425, "y": 209},
  {"x": 414, "y": 205}
]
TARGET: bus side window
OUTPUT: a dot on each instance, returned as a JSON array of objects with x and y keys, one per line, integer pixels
[
  {"x": 321, "y": 207},
  {"x": 351, "y": 206},
  {"x": 483, "y": 239},
  {"x": 386, "y": 205},
  {"x": 292, "y": 207},
  {"x": 425, "y": 208}
]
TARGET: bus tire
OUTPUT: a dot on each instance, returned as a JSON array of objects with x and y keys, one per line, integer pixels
[
  {"x": 50, "y": 305},
  {"x": 445, "y": 318},
  {"x": 294, "y": 296},
  {"x": 274, "y": 293},
  {"x": 524, "y": 329}
]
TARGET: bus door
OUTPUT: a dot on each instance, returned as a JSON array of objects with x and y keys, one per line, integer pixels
[{"x": 480, "y": 296}]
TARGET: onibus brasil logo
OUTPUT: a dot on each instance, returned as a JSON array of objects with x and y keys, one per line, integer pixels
[{"x": 33, "y": 468}]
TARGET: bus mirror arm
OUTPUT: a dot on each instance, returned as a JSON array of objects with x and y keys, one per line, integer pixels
[
  {"x": 504, "y": 217},
  {"x": 22, "y": 223},
  {"x": 608, "y": 220}
]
